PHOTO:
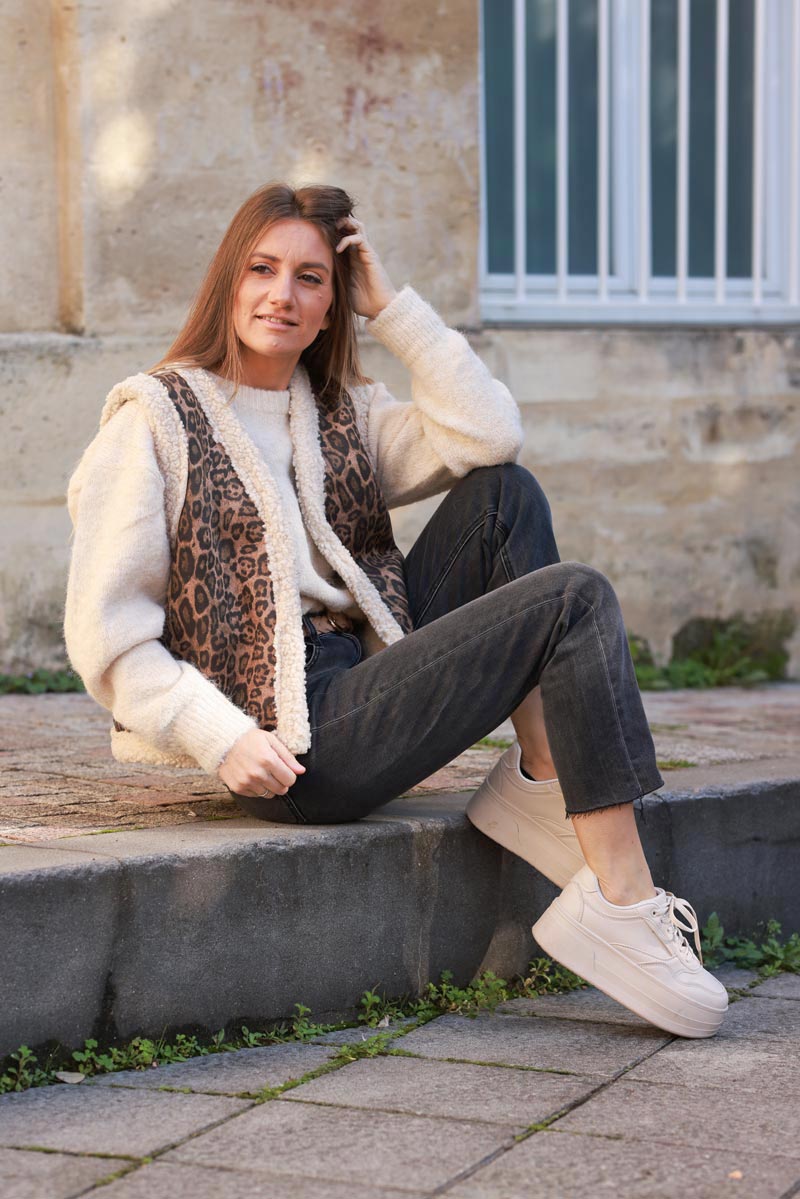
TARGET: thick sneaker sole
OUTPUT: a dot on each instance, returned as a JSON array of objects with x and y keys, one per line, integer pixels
[
  {"x": 524, "y": 835},
  {"x": 600, "y": 964}
]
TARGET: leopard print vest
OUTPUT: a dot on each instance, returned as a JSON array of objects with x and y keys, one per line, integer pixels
[{"x": 220, "y": 606}]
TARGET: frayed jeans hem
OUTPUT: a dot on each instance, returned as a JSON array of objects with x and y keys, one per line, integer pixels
[{"x": 617, "y": 803}]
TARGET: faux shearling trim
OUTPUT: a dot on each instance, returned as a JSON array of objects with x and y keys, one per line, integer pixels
[
  {"x": 169, "y": 437},
  {"x": 309, "y": 463},
  {"x": 171, "y": 444}
]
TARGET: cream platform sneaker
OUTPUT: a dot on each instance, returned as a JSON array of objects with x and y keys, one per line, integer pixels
[
  {"x": 527, "y": 818},
  {"x": 637, "y": 954}
]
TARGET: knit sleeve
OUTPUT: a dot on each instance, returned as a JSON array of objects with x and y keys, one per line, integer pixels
[
  {"x": 459, "y": 416},
  {"x": 116, "y": 591}
]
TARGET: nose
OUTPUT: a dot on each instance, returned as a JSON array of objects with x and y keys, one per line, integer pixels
[{"x": 281, "y": 289}]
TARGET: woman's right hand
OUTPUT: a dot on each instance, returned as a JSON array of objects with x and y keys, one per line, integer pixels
[{"x": 259, "y": 762}]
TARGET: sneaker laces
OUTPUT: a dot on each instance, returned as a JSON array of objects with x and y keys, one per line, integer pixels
[{"x": 672, "y": 926}]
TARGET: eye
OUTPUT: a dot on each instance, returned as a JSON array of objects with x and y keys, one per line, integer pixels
[{"x": 261, "y": 268}]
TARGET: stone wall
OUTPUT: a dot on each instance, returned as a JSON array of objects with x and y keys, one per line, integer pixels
[
  {"x": 670, "y": 457},
  {"x": 136, "y": 130}
]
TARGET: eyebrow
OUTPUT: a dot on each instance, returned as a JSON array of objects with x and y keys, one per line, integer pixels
[{"x": 274, "y": 258}]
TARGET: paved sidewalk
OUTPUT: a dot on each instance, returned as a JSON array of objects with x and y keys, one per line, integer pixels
[
  {"x": 562, "y": 1096},
  {"x": 59, "y": 778}
]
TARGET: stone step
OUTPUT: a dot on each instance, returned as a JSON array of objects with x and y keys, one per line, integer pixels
[{"x": 224, "y": 921}]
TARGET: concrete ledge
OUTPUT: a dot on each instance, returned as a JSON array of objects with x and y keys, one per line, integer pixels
[{"x": 220, "y": 921}]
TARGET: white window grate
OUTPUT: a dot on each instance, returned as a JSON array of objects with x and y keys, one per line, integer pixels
[{"x": 640, "y": 161}]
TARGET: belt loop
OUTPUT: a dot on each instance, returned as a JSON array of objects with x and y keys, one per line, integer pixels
[{"x": 312, "y": 633}]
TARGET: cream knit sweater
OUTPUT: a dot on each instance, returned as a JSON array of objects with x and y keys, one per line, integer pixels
[
  {"x": 265, "y": 416},
  {"x": 123, "y": 499}
]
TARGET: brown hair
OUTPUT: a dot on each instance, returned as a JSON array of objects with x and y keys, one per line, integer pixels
[{"x": 208, "y": 337}]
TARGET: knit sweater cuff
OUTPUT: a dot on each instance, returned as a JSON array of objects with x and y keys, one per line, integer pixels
[
  {"x": 208, "y": 725},
  {"x": 407, "y": 326}
]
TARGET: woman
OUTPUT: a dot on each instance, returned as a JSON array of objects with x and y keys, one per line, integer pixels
[{"x": 237, "y": 601}]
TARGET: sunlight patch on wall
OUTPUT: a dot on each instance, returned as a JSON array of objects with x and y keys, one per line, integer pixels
[{"x": 122, "y": 157}]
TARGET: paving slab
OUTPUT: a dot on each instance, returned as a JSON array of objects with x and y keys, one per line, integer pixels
[
  {"x": 360, "y": 1033},
  {"x": 557, "y": 1165},
  {"x": 724, "y": 724},
  {"x": 81, "y": 1119},
  {"x": 538, "y": 1043},
  {"x": 701, "y": 1118},
  {"x": 166, "y": 1180},
  {"x": 729, "y": 1064},
  {"x": 340, "y": 1145},
  {"x": 25, "y": 1175},
  {"x": 424, "y": 1087},
  {"x": 776, "y": 1019},
  {"x": 780, "y": 986},
  {"x": 585, "y": 1004},
  {"x": 228, "y": 1073},
  {"x": 734, "y": 977},
  {"x": 588, "y": 1003}
]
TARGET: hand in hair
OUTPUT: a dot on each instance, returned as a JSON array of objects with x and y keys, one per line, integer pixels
[
  {"x": 370, "y": 288},
  {"x": 258, "y": 761}
]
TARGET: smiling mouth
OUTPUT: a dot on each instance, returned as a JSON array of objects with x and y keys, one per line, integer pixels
[{"x": 275, "y": 320}]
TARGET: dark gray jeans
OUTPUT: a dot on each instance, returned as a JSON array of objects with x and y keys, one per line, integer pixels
[{"x": 495, "y": 613}]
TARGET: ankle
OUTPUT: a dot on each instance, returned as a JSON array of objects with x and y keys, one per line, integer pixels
[
  {"x": 624, "y": 893},
  {"x": 539, "y": 769}
]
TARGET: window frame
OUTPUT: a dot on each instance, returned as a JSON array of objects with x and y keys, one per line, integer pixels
[{"x": 540, "y": 304}]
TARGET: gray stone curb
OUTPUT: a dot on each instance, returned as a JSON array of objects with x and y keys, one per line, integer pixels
[{"x": 205, "y": 925}]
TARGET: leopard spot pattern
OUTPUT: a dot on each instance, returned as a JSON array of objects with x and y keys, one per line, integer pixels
[
  {"x": 356, "y": 510},
  {"x": 220, "y": 607}
]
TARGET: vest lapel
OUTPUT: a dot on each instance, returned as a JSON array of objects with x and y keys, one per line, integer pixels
[
  {"x": 309, "y": 464},
  {"x": 381, "y": 557},
  {"x": 293, "y": 723}
]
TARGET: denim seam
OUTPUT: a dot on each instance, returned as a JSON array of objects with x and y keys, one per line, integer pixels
[
  {"x": 441, "y": 658},
  {"x": 315, "y": 648},
  {"x": 614, "y": 698},
  {"x": 292, "y": 806},
  {"x": 449, "y": 565},
  {"x": 522, "y": 611},
  {"x": 502, "y": 555}
]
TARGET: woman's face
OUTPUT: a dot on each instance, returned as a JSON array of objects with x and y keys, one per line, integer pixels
[{"x": 283, "y": 300}]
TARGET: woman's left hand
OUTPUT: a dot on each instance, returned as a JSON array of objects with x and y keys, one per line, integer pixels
[{"x": 370, "y": 287}]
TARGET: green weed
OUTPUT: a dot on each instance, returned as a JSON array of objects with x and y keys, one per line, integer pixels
[
  {"x": 769, "y": 957},
  {"x": 372, "y": 1047},
  {"x": 34, "y": 682},
  {"x": 22, "y": 1069},
  {"x": 717, "y": 653}
]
